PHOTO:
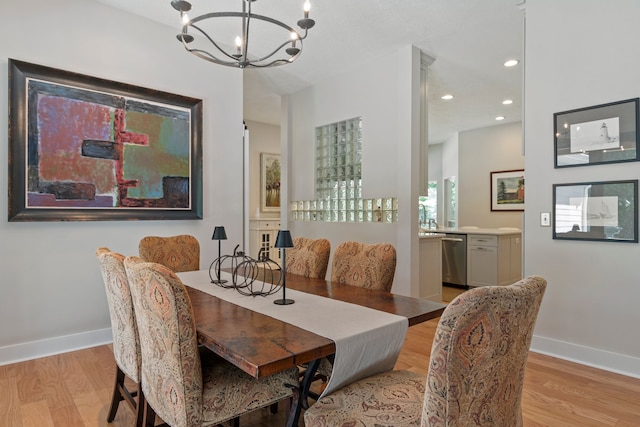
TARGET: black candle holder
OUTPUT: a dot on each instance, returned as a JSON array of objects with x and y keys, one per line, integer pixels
[
  {"x": 219, "y": 234},
  {"x": 284, "y": 241}
]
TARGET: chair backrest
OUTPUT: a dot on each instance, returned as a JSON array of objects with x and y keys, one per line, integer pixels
[
  {"x": 367, "y": 266},
  {"x": 309, "y": 257},
  {"x": 171, "y": 369},
  {"x": 126, "y": 344},
  {"x": 179, "y": 253},
  {"x": 479, "y": 354}
]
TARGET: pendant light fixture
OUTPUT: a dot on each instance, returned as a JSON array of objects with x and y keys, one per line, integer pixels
[{"x": 197, "y": 36}]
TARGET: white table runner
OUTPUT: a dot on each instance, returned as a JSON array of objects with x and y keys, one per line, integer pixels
[{"x": 367, "y": 341}]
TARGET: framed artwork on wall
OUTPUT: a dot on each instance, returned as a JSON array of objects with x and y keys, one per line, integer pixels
[
  {"x": 269, "y": 182},
  {"x": 507, "y": 190},
  {"x": 600, "y": 134},
  {"x": 604, "y": 211},
  {"x": 84, "y": 148}
]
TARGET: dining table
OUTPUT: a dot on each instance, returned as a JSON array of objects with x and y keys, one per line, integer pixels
[{"x": 263, "y": 338}]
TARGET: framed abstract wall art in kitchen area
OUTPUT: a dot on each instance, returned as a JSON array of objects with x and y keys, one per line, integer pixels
[
  {"x": 507, "y": 190},
  {"x": 85, "y": 148},
  {"x": 603, "y": 211},
  {"x": 269, "y": 182},
  {"x": 606, "y": 133}
]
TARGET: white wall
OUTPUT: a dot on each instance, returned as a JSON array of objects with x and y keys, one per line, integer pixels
[
  {"x": 384, "y": 93},
  {"x": 53, "y": 297},
  {"x": 263, "y": 138},
  {"x": 580, "y": 53},
  {"x": 482, "y": 151}
]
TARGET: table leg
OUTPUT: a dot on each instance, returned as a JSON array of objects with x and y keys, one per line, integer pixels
[{"x": 300, "y": 398}]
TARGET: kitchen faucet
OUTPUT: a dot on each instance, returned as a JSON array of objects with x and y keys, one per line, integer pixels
[
  {"x": 432, "y": 222},
  {"x": 423, "y": 210}
]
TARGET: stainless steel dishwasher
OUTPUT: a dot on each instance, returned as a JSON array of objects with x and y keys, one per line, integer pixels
[{"x": 454, "y": 259}]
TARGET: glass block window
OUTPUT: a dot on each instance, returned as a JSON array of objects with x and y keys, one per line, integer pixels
[{"x": 338, "y": 171}]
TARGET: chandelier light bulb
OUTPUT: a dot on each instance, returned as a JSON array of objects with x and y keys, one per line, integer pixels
[
  {"x": 238, "y": 45},
  {"x": 306, "y": 7},
  {"x": 293, "y": 50},
  {"x": 184, "y": 18}
]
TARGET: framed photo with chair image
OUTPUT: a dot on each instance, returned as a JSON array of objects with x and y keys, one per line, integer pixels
[{"x": 602, "y": 211}]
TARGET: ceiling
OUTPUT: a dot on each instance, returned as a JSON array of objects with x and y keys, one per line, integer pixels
[{"x": 469, "y": 39}]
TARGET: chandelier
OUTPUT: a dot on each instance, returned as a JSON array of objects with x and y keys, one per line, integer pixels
[{"x": 197, "y": 36}]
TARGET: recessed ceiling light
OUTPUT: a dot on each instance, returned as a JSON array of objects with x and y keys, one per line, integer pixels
[
  {"x": 507, "y": 101},
  {"x": 511, "y": 63},
  {"x": 447, "y": 97},
  {"x": 500, "y": 118}
]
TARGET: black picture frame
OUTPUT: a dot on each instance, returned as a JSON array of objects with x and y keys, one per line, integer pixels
[
  {"x": 601, "y": 211},
  {"x": 606, "y": 133},
  {"x": 83, "y": 148}
]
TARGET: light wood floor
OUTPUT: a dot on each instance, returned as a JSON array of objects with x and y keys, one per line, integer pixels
[{"x": 74, "y": 389}]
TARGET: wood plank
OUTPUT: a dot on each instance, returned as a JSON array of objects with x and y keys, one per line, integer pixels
[
  {"x": 234, "y": 333},
  {"x": 66, "y": 416},
  {"x": 28, "y": 384},
  {"x": 10, "y": 407},
  {"x": 37, "y": 414}
]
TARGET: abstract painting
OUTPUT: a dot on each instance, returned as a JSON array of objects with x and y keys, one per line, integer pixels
[{"x": 83, "y": 148}]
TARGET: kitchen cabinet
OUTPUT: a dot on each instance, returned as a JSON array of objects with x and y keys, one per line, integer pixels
[
  {"x": 494, "y": 259},
  {"x": 430, "y": 255},
  {"x": 262, "y": 235}
]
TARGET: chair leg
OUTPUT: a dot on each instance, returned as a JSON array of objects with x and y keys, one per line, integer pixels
[
  {"x": 149, "y": 415},
  {"x": 140, "y": 407},
  {"x": 117, "y": 395}
]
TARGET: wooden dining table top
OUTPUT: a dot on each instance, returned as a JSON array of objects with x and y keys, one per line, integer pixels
[{"x": 261, "y": 345}]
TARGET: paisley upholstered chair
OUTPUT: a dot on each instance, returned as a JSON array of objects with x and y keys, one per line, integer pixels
[
  {"x": 309, "y": 257},
  {"x": 126, "y": 345},
  {"x": 476, "y": 370},
  {"x": 367, "y": 266},
  {"x": 179, "y": 253},
  {"x": 184, "y": 384},
  {"x": 363, "y": 265}
]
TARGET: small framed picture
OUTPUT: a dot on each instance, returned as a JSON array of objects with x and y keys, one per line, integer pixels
[
  {"x": 601, "y": 134},
  {"x": 270, "y": 182},
  {"x": 507, "y": 190},
  {"x": 604, "y": 211}
]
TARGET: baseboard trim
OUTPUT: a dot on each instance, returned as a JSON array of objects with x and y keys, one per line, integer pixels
[
  {"x": 601, "y": 359},
  {"x": 50, "y": 346}
]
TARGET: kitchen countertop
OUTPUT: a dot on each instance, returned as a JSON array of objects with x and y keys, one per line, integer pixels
[
  {"x": 431, "y": 235},
  {"x": 492, "y": 231}
]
